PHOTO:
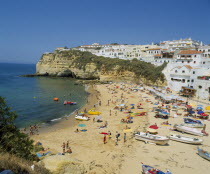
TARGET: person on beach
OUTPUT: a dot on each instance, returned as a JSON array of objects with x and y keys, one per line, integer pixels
[
  {"x": 115, "y": 113},
  {"x": 109, "y": 134},
  {"x": 67, "y": 144},
  {"x": 85, "y": 110},
  {"x": 64, "y": 147},
  {"x": 124, "y": 137},
  {"x": 116, "y": 135},
  {"x": 110, "y": 112},
  {"x": 69, "y": 150},
  {"x": 108, "y": 102},
  {"x": 93, "y": 119},
  {"x": 100, "y": 103},
  {"x": 104, "y": 139},
  {"x": 116, "y": 142}
]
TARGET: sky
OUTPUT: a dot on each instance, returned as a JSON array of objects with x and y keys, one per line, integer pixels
[{"x": 28, "y": 28}]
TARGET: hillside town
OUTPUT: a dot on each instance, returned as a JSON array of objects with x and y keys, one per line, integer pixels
[{"x": 188, "y": 62}]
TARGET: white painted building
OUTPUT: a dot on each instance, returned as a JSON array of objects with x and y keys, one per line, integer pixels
[
  {"x": 180, "y": 44},
  {"x": 205, "y": 50}
]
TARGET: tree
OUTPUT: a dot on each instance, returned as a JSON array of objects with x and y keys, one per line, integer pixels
[{"x": 11, "y": 139}]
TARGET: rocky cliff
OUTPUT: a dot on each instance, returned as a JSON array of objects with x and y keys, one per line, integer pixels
[
  {"x": 84, "y": 65},
  {"x": 61, "y": 64}
]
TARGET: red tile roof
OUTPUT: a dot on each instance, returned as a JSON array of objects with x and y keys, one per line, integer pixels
[
  {"x": 154, "y": 49},
  {"x": 190, "y": 52},
  {"x": 188, "y": 66},
  {"x": 157, "y": 55}
]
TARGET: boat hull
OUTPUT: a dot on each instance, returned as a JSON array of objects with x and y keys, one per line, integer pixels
[
  {"x": 188, "y": 130},
  {"x": 152, "y": 139},
  {"x": 204, "y": 154},
  {"x": 187, "y": 140}
]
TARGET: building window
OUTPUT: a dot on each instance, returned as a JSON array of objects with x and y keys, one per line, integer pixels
[
  {"x": 183, "y": 71},
  {"x": 188, "y": 80},
  {"x": 199, "y": 86},
  {"x": 183, "y": 80},
  {"x": 176, "y": 71},
  {"x": 192, "y": 80},
  {"x": 182, "y": 61},
  {"x": 194, "y": 55},
  {"x": 204, "y": 62},
  {"x": 194, "y": 62},
  {"x": 188, "y": 61},
  {"x": 193, "y": 72}
]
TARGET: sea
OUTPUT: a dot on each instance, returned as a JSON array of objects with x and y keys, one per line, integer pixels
[{"x": 32, "y": 98}]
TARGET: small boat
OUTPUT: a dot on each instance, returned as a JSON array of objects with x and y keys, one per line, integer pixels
[
  {"x": 82, "y": 117},
  {"x": 204, "y": 153},
  {"x": 69, "y": 103},
  {"x": 183, "y": 139},
  {"x": 93, "y": 112},
  {"x": 189, "y": 130},
  {"x": 189, "y": 122},
  {"x": 193, "y": 125},
  {"x": 149, "y": 169},
  {"x": 147, "y": 137}
]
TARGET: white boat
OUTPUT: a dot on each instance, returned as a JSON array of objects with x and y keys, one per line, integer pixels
[
  {"x": 193, "y": 125},
  {"x": 147, "y": 137},
  {"x": 183, "y": 139},
  {"x": 188, "y": 130},
  {"x": 82, "y": 117}
]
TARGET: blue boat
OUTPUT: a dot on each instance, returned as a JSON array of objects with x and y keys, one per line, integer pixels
[
  {"x": 149, "y": 169},
  {"x": 203, "y": 154},
  {"x": 192, "y": 121}
]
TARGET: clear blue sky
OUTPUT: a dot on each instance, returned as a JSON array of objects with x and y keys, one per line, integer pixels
[{"x": 29, "y": 28}]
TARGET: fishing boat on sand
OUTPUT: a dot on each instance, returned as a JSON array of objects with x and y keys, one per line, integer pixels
[
  {"x": 189, "y": 122},
  {"x": 151, "y": 170},
  {"x": 82, "y": 117},
  {"x": 204, "y": 153},
  {"x": 189, "y": 130},
  {"x": 188, "y": 140},
  {"x": 147, "y": 137}
]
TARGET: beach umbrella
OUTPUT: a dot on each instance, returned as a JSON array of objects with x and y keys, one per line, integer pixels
[
  {"x": 153, "y": 126},
  {"x": 200, "y": 112},
  {"x": 199, "y": 108},
  {"x": 122, "y": 105},
  {"x": 207, "y": 107},
  {"x": 104, "y": 133},
  {"x": 204, "y": 114},
  {"x": 132, "y": 104},
  {"x": 191, "y": 112},
  {"x": 199, "y": 105},
  {"x": 82, "y": 125}
]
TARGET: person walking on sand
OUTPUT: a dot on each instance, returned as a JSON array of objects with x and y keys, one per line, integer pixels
[
  {"x": 116, "y": 142},
  {"x": 124, "y": 137},
  {"x": 104, "y": 139},
  {"x": 93, "y": 119},
  {"x": 67, "y": 144},
  {"x": 110, "y": 112},
  {"x": 64, "y": 147},
  {"x": 109, "y": 134},
  {"x": 100, "y": 103}
]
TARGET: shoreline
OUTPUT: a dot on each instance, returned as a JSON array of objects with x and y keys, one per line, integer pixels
[{"x": 67, "y": 121}]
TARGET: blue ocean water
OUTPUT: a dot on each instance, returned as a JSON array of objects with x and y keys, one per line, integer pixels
[{"x": 32, "y": 97}]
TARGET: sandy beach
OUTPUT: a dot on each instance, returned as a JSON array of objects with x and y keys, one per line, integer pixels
[{"x": 90, "y": 154}]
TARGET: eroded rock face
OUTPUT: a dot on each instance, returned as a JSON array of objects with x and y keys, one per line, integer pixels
[{"x": 54, "y": 64}]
